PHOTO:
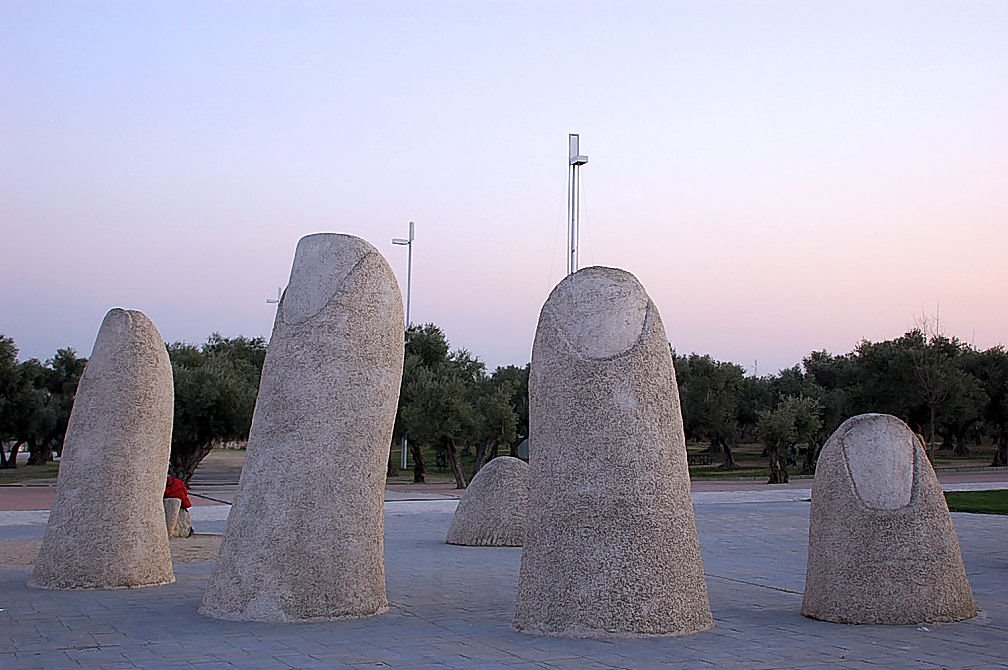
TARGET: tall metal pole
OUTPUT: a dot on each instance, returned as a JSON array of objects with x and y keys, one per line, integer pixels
[
  {"x": 576, "y": 160},
  {"x": 409, "y": 274},
  {"x": 408, "y": 243},
  {"x": 571, "y": 235},
  {"x": 409, "y": 294}
]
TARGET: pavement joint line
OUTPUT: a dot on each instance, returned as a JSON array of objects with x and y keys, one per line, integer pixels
[{"x": 762, "y": 586}]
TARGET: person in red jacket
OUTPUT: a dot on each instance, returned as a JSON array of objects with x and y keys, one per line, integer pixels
[{"x": 176, "y": 488}]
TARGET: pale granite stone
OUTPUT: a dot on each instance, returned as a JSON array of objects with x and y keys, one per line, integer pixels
[
  {"x": 172, "y": 507},
  {"x": 115, "y": 459},
  {"x": 882, "y": 548},
  {"x": 183, "y": 526},
  {"x": 611, "y": 545},
  {"x": 492, "y": 510},
  {"x": 304, "y": 540}
]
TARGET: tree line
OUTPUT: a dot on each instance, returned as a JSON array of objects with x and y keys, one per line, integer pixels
[
  {"x": 215, "y": 391},
  {"x": 943, "y": 387}
]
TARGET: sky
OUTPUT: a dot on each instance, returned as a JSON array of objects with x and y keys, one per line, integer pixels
[{"x": 782, "y": 177}]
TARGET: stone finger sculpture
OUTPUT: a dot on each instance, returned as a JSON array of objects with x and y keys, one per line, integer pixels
[
  {"x": 882, "y": 548},
  {"x": 304, "y": 540},
  {"x": 611, "y": 545},
  {"x": 107, "y": 525},
  {"x": 492, "y": 510}
]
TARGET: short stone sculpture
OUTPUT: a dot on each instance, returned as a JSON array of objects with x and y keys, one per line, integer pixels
[
  {"x": 492, "y": 510},
  {"x": 304, "y": 540},
  {"x": 611, "y": 545},
  {"x": 115, "y": 457},
  {"x": 178, "y": 521},
  {"x": 172, "y": 507},
  {"x": 882, "y": 548}
]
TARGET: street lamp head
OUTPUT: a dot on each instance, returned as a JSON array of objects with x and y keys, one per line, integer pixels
[
  {"x": 399, "y": 240},
  {"x": 575, "y": 153}
]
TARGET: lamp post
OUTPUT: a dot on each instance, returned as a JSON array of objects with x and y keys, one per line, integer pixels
[
  {"x": 575, "y": 161},
  {"x": 408, "y": 243}
]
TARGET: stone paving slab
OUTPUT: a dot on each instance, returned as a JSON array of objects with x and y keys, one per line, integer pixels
[{"x": 451, "y": 607}]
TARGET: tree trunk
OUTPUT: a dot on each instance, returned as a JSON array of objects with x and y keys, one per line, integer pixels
[
  {"x": 1001, "y": 453},
  {"x": 448, "y": 444},
  {"x": 729, "y": 458},
  {"x": 40, "y": 452},
  {"x": 419, "y": 469},
  {"x": 392, "y": 470},
  {"x": 484, "y": 453},
  {"x": 778, "y": 470},
  {"x": 811, "y": 456},
  {"x": 11, "y": 461},
  {"x": 931, "y": 445},
  {"x": 961, "y": 448},
  {"x": 715, "y": 446},
  {"x": 184, "y": 464}
]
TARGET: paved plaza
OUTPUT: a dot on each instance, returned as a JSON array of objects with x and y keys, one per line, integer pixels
[{"x": 451, "y": 607}]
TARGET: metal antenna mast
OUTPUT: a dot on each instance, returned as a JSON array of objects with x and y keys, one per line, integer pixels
[{"x": 576, "y": 160}]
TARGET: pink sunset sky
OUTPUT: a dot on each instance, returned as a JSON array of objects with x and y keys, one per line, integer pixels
[{"x": 781, "y": 176}]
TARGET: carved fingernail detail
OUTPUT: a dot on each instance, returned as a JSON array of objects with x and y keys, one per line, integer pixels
[{"x": 879, "y": 450}]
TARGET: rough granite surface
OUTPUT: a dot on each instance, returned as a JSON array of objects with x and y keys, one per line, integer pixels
[
  {"x": 492, "y": 510},
  {"x": 882, "y": 548},
  {"x": 116, "y": 449},
  {"x": 172, "y": 507},
  {"x": 304, "y": 540},
  {"x": 183, "y": 525},
  {"x": 611, "y": 545}
]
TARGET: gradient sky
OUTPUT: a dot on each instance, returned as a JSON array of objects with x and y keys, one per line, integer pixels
[{"x": 781, "y": 176}]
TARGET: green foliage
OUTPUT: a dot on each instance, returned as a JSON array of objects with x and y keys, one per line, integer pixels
[
  {"x": 448, "y": 399},
  {"x": 710, "y": 393},
  {"x": 514, "y": 381},
  {"x": 990, "y": 369},
  {"x": 35, "y": 401},
  {"x": 936, "y": 383},
  {"x": 215, "y": 392},
  {"x": 794, "y": 420}
]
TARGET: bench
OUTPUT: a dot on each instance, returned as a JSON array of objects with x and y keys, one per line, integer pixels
[{"x": 701, "y": 458}]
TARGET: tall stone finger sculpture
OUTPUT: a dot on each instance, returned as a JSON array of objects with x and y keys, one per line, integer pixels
[
  {"x": 107, "y": 526},
  {"x": 882, "y": 548},
  {"x": 611, "y": 545},
  {"x": 304, "y": 540}
]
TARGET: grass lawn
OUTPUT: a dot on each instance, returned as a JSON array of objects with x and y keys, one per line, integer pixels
[
  {"x": 979, "y": 502},
  {"x": 751, "y": 463},
  {"x": 26, "y": 473}
]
